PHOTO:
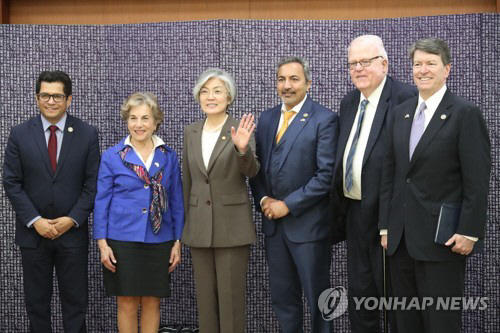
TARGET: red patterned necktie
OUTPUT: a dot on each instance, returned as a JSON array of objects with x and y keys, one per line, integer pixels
[{"x": 53, "y": 147}]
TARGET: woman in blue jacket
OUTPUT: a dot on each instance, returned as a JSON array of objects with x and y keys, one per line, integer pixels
[{"x": 139, "y": 216}]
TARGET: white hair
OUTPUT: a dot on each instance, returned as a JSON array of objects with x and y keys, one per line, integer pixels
[{"x": 370, "y": 40}]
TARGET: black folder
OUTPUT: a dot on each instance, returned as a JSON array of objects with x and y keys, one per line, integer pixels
[{"x": 449, "y": 215}]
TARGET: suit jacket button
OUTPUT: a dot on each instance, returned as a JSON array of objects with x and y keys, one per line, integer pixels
[
  {"x": 146, "y": 186},
  {"x": 208, "y": 202},
  {"x": 206, "y": 181},
  {"x": 144, "y": 210},
  {"x": 408, "y": 180}
]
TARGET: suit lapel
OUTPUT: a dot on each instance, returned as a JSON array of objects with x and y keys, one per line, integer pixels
[
  {"x": 439, "y": 118},
  {"x": 270, "y": 134},
  {"x": 405, "y": 129},
  {"x": 347, "y": 123},
  {"x": 195, "y": 144},
  {"x": 159, "y": 161},
  {"x": 39, "y": 137},
  {"x": 222, "y": 141},
  {"x": 294, "y": 129},
  {"x": 378, "y": 120},
  {"x": 67, "y": 140}
]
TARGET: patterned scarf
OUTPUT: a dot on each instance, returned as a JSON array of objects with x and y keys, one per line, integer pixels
[{"x": 159, "y": 202}]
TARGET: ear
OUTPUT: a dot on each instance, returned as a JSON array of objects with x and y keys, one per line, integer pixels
[
  {"x": 447, "y": 69},
  {"x": 309, "y": 85},
  {"x": 68, "y": 101}
]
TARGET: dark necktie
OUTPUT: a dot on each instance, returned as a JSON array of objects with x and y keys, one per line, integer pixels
[
  {"x": 352, "y": 150},
  {"x": 53, "y": 147}
]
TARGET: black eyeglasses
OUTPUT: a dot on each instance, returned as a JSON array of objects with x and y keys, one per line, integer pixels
[
  {"x": 58, "y": 98},
  {"x": 363, "y": 63}
]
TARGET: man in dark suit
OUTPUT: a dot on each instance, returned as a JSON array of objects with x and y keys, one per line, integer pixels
[
  {"x": 296, "y": 144},
  {"x": 50, "y": 172},
  {"x": 439, "y": 153},
  {"x": 364, "y": 115}
]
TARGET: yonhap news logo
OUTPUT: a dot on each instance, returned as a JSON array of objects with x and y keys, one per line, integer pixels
[{"x": 332, "y": 302}]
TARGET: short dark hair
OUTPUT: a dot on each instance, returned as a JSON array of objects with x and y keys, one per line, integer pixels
[
  {"x": 299, "y": 60},
  {"x": 55, "y": 76},
  {"x": 433, "y": 46}
]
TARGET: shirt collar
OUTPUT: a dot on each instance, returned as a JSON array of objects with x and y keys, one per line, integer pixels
[
  {"x": 433, "y": 102},
  {"x": 156, "y": 141},
  {"x": 296, "y": 108},
  {"x": 375, "y": 96},
  {"x": 60, "y": 124}
]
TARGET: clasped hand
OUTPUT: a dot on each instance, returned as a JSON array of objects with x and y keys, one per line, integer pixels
[
  {"x": 274, "y": 209},
  {"x": 53, "y": 228}
]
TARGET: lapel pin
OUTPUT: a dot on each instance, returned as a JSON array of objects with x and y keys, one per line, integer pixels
[
  {"x": 223, "y": 137},
  {"x": 407, "y": 116},
  {"x": 157, "y": 164},
  {"x": 303, "y": 119},
  {"x": 443, "y": 116},
  {"x": 305, "y": 115},
  {"x": 70, "y": 129}
]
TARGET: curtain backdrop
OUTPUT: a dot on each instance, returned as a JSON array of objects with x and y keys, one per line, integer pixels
[{"x": 108, "y": 63}]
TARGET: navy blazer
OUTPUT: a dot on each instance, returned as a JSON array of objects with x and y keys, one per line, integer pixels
[
  {"x": 393, "y": 94},
  {"x": 451, "y": 164},
  {"x": 305, "y": 169},
  {"x": 35, "y": 190},
  {"x": 122, "y": 202}
]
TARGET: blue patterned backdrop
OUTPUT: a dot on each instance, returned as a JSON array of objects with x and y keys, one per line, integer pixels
[{"x": 107, "y": 63}]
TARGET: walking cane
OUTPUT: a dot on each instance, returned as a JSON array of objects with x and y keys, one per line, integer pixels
[{"x": 385, "y": 291}]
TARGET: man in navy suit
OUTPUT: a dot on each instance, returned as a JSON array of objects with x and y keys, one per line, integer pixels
[
  {"x": 438, "y": 153},
  {"x": 364, "y": 115},
  {"x": 49, "y": 176},
  {"x": 296, "y": 144}
]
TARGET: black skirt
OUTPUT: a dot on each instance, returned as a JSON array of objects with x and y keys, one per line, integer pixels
[{"x": 141, "y": 269}]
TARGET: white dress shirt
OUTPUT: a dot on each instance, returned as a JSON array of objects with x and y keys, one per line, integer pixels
[
  {"x": 156, "y": 143},
  {"x": 357, "y": 162}
]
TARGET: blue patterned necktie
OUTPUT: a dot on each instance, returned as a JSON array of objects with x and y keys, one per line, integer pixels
[
  {"x": 417, "y": 128},
  {"x": 352, "y": 150}
]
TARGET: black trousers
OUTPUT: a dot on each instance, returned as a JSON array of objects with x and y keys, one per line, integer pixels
[
  {"x": 364, "y": 268},
  {"x": 71, "y": 271},
  {"x": 414, "y": 278}
]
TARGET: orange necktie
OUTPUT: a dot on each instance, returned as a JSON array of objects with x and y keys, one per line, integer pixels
[{"x": 286, "y": 118}]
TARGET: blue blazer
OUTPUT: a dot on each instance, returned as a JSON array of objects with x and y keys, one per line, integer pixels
[
  {"x": 305, "y": 168},
  {"x": 34, "y": 190},
  {"x": 122, "y": 202}
]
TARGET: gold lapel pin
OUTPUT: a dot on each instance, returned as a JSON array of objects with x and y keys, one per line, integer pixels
[
  {"x": 223, "y": 137},
  {"x": 70, "y": 129},
  {"x": 407, "y": 116},
  {"x": 305, "y": 115},
  {"x": 157, "y": 164},
  {"x": 443, "y": 116}
]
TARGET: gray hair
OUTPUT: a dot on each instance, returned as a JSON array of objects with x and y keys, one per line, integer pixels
[
  {"x": 140, "y": 98},
  {"x": 212, "y": 73},
  {"x": 433, "y": 46},
  {"x": 372, "y": 40},
  {"x": 299, "y": 60}
]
